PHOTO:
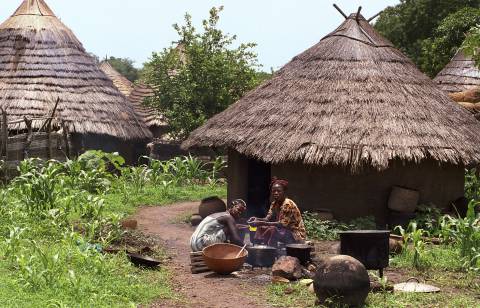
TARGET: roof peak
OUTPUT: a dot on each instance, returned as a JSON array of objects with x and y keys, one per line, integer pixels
[{"x": 33, "y": 7}]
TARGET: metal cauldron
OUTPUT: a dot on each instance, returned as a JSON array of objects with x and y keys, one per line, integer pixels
[
  {"x": 261, "y": 256},
  {"x": 300, "y": 251}
]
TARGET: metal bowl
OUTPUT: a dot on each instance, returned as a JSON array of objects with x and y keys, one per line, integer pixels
[{"x": 221, "y": 258}]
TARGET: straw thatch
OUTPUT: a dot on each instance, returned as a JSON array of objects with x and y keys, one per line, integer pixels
[
  {"x": 124, "y": 85},
  {"x": 459, "y": 75},
  {"x": 137, "y": 97},
  {"x": 41, "y": 61},
  {"x": 351, "y": 100}
]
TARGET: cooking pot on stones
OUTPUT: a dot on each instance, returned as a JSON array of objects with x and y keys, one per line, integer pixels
[
  {"x": 300, "y": 251},
  {"x": 261, "y": 256}
]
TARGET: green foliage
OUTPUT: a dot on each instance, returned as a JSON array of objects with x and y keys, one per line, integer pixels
[
  {"x": 56, "y": 217},
  {"x": 409, "y": 24},
  {"x": 471, "y": 45},
  {"x": 125, "y": 67},
  {"x": 414, "y": 236},
  {"x": 438, "y": 50},
  {"x": 201, "y": 76},
  {"x": 320, "y": 229}
]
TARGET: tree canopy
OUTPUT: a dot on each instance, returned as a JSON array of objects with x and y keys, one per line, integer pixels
[
  {"x": 125, "y": 67},
  {"x": 422, "y": 29},
  {"x": 471, "y": 45},
  {"x": 200, "y": 75}
]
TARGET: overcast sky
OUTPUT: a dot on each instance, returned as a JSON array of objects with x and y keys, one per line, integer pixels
[{"x": 136, "y": 28}]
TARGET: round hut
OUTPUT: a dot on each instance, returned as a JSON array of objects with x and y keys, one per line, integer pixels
[
  {"x": 42, "y": 62},
  {"x": 461, "y": 80},
  {"x": 136, "y": 94},
  {"x": 123, "y": 85},
  {"x": 459, "y": 75},
  {"x": 344, "y": 122}
]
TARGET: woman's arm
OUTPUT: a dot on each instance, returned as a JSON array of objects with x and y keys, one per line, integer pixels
[{"x": 231, "y": 229}]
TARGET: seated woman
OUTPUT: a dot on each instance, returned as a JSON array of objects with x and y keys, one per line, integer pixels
[
  {"x": 283, "y": 222},
  {"x": 219, "y": 228}
]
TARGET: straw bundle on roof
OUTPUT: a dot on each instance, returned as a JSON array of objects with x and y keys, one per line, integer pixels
[
  {"x": 42, "y": 60},
  {"x": 351, "y": 100},
  {"x": 124, "y": 85},
  {"x": 459, "y": 75}
]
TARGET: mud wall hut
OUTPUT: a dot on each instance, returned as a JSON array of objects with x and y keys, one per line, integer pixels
[
  {"x": 345, "y": 121},
  {"x": 41, "y": 61}
]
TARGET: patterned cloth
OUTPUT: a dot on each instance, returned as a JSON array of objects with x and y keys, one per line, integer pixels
[
  {"x": 209, "y": 232},
  {"x": 290, "y": 217}
]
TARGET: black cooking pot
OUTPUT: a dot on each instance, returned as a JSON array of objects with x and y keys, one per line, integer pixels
[
  {"x": 140, "y": 260},
  {"x": 300, "y": 251},
  {"x": 261, "y": 256}
]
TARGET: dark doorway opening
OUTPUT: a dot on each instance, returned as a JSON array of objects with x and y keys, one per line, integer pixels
[{"x": 258, "y": 199}]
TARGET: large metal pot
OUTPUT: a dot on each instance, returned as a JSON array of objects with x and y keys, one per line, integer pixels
[
  {"x": 261, "y": 256},
  {"x": 300, "y": 251}
]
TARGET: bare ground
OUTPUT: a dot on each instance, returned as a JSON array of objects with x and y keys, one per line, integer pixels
[{"x": 201, "y": 290}]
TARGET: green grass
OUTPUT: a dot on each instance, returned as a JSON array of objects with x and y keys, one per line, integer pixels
[
  {"x": 297, "y": 295},
  {"x": 127, "y": 203}
]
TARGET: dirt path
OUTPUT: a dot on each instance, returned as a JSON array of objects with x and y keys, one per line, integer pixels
[{"x": 201, "y": 290}]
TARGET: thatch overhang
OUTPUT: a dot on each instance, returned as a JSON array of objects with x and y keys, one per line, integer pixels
[
  {"x": 41, "y": 61},
  {"x": 460, "y": 75},
  {"x": 351, "y": 100},
  {"x": 124, "y": 85}
]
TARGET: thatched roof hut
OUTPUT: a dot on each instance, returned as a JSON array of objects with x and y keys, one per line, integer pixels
[
  {"x": 136, "y": 94},
  {"x": 124, "y": 85},
  {"x": 153, "y": 118},
  {"x": 345, "y": 121},
  {"x": 42, "y": 61},
  {"x": 461, "y": 74}
]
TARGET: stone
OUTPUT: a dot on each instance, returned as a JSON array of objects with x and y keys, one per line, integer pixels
[
  {"x": 343, "y": 279},
  {"x": 287, "y": 267},
  {"x": 278, "y": 279},
  {"x": 395, "y": 245},
  {"x": 334, "y": 249}
]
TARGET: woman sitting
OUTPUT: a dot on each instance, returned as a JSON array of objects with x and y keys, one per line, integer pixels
[
  {"x": 219, "y": 228},
  {"x": 283, "y": 222}
]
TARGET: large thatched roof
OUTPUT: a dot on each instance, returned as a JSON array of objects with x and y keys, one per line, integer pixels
[
  {"x": 350, "y": 100},
  {"x": 41, "y": 61},
  {"x": 459, "y": 75},
  {"x": 124, "y": 85}
]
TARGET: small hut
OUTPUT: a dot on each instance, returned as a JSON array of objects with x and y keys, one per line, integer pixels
[
  {"x": 124, "y": 85},
  {"x": 41, "y": 62},
  {"x": 459, "y": 75},
  {"x": 136, "y": 94},
  {"x": 344, "y": 122},
  {"x": 461, "y": 80},
  {"x": 155, "y": 121}
]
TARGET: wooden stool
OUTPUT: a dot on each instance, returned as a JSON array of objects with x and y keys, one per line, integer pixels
[{"x": 197, "y": 265}]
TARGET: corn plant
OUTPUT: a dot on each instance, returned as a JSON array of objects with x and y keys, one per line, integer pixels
[{"x": 414, "y": 235}]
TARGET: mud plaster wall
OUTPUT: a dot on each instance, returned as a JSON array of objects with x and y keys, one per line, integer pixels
[
  {"x": 350, "y": 196},
  {"x": 355, "y": 195}
]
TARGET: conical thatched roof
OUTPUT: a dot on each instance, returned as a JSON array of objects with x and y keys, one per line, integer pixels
[
  {"x": 137, "y": 97},
  {"x": 350, "y": 100},
  {"x": 124, "y": 85},
  {"x": 459, "y": 75},
  {"x": 41, "y": 61}
]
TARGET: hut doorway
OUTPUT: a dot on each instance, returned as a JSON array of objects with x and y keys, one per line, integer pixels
[{"x": 258, "y": 187}]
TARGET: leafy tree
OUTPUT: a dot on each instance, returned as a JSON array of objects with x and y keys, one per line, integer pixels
[
  {"x": 471, "y": 45},
  {"x": 125, "y": 67},
  {"x": 201, "y": 76},
  {"x": 408, "y": 24},
  {"x": 447, "y": 38}
]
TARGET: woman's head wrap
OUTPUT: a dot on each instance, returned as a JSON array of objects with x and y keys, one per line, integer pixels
[{"x": 277, "y": 181}]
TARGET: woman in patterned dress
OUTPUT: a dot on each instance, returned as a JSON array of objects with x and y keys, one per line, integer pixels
[{"x": 283, "y": 222}]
